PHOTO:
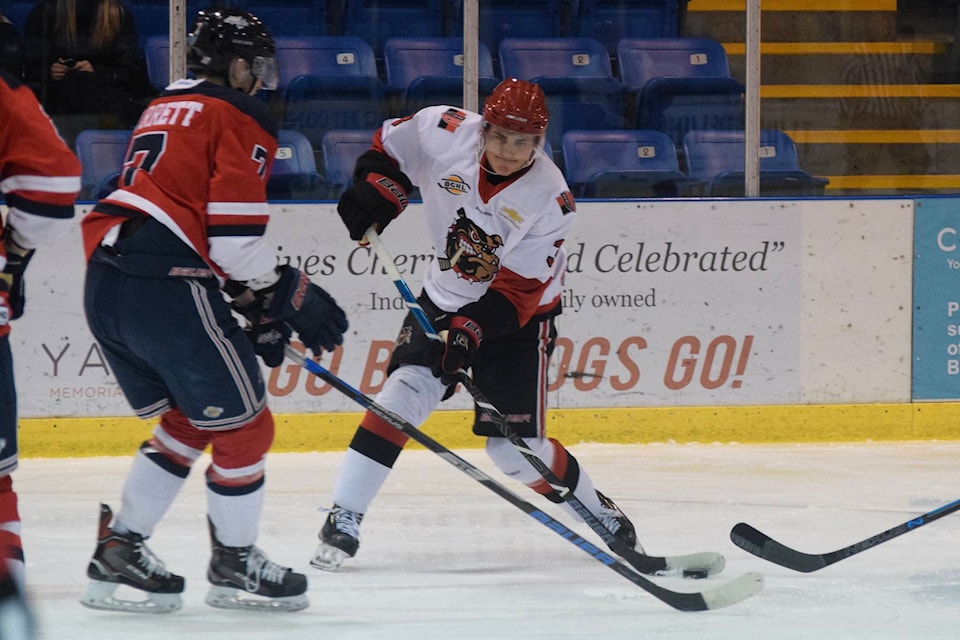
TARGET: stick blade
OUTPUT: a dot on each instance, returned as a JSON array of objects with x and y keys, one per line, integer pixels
[
  {"x": 747, "y": 585},
  {"x": 763, "y": 546}
]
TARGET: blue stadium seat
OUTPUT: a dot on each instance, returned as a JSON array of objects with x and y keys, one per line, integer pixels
[
  {"x": 16, "y": 12},
  {"x": 328, "y": 82},
  {"x": 621, "y": 164},
  {"x": 101, "y": 153},
  {"x": 610, "y": 20},
  {"x": 501, "y": 19},
  {"x": 576, "y": 76},
  {"x": 156, "y": 53},
  {"x": 643, "y": 59},
  {"x": 377, "y": 21},
  {"x": 327, "y": 56},
  {"x": 425, "y": 71},
  {"x": 291, "y": 17},
  {"x": 294, "y": 174},
  {"x": 677, "y": 85},
  {"x": 716, "y": 159},
  {"x": 341, "y": 148}
]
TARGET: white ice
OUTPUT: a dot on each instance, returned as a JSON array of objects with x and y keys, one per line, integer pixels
[{"x": 443, "y": 557}]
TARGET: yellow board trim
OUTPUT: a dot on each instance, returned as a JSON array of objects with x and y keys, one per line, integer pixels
[
  {"x": 838, "y": 48},
  {"x": 860, "y": 91},
  {"x": 795, "y": 5},
  {"x": 878, "y": 182},
  {"x": 85, "y": 437},
  {"x": 877, "y": 136}
]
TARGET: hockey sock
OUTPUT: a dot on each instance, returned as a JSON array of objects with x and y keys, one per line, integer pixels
[
  {"x": 11, "y": 547},
  {"x": 151, "y": 486},
  {"x": 235, "y": 512},
  {"x": 369, "y": 459}
]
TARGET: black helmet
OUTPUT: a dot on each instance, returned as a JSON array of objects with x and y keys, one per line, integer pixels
[{"x": 220, "y": 35}]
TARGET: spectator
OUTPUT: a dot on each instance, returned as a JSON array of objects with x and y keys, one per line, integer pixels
[
  {"x": 11, "y": 55},
  {"x": 82, "y": 56}
]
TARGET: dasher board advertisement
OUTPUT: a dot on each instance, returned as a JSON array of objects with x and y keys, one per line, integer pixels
[{"x": 674, "y": 303}]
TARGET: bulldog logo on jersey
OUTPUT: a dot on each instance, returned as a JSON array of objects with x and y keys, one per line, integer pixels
[
  {"x": 471, "y": 252},
  {"x": 406, "y": 333},
  {"x": 454, "y": 184}
]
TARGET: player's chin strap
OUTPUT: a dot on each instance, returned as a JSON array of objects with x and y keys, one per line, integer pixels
[
  {"x": 721, "y": 596},
  {"x": 699, "y": 563}
]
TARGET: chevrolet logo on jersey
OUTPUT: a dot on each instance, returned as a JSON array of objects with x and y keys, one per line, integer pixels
[
  {"x": 512, "y": 216},
  {"x": 454, "y": 184}
]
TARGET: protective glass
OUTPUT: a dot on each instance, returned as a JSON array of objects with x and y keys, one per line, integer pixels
[{"x": 267, "y": 71}]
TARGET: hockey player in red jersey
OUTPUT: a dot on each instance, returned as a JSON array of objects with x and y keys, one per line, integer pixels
[
  {"x": 40, "y": 179},
  {"x": 184, "y": 227},
  {"x": 497, "y": 211}
]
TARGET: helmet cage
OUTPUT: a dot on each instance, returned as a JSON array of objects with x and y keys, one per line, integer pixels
[{"x": 487, "y": 127}]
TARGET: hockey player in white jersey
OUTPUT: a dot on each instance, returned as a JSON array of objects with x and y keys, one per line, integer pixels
[{"x": 498, "y": 211}]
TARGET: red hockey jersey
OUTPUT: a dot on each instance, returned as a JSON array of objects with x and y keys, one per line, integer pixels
[
  {"x": 198, "y": 162},
  {"x": 39, "y": 175}
]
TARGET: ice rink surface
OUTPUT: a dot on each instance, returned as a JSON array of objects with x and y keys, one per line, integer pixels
[{"x": 443, "y": 557}]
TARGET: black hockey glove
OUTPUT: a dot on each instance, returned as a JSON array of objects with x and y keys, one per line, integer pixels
[
  {"x": 459, "y": 349},
  {"x": 269, "y": 341},
  {"x": 269, "y": 338},
  {"x": 308, "y": 309},
  {"x": 376, "y": 199},
  {"x": 11, "y": 278}
]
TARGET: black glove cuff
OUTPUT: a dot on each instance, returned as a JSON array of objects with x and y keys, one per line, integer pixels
[{"x": 494, "y": 312}]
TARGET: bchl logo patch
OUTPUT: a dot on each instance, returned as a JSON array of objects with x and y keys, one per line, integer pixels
[{"x": 454, "y": 184}]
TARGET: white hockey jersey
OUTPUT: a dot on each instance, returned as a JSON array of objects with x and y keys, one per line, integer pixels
[{"x": 505, "y": 233}]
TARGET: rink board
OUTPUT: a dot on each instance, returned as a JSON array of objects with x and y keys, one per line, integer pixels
[{"x": 723, "y": 320}]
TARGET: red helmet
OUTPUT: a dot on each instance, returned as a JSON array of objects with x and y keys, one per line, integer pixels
[{"x": 517, "y": 105}]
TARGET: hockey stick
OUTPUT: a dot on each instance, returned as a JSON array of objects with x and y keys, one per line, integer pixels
[
  {"x": 722, "y": 596},
  {"x": 694, "y": 565},
  {"x": 762, "y": 545}
]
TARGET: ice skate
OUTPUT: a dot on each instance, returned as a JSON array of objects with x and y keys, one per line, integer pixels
[
  {"x": 694, "y": 565},
  {"x": 123, "y": 560},
  {"x": 339, "y": 539},
  {"x": 617, "y": 522},
  {"x": 244, "y": 578}
]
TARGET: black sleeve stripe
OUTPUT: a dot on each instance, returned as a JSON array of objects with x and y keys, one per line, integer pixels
[
  {"x": 39, "y": 208},
  {"x": 237, "y": 230}
]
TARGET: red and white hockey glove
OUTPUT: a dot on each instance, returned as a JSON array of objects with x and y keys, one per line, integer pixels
[{"x": 376, "y": 199}]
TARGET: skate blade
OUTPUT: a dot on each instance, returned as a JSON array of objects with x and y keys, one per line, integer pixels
[
  {"x": 229, "y": 598},
  {"x": 328, "y": 558},
  {"x": 100, "y": 595},
  {"x": 695, "y": 565}
]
